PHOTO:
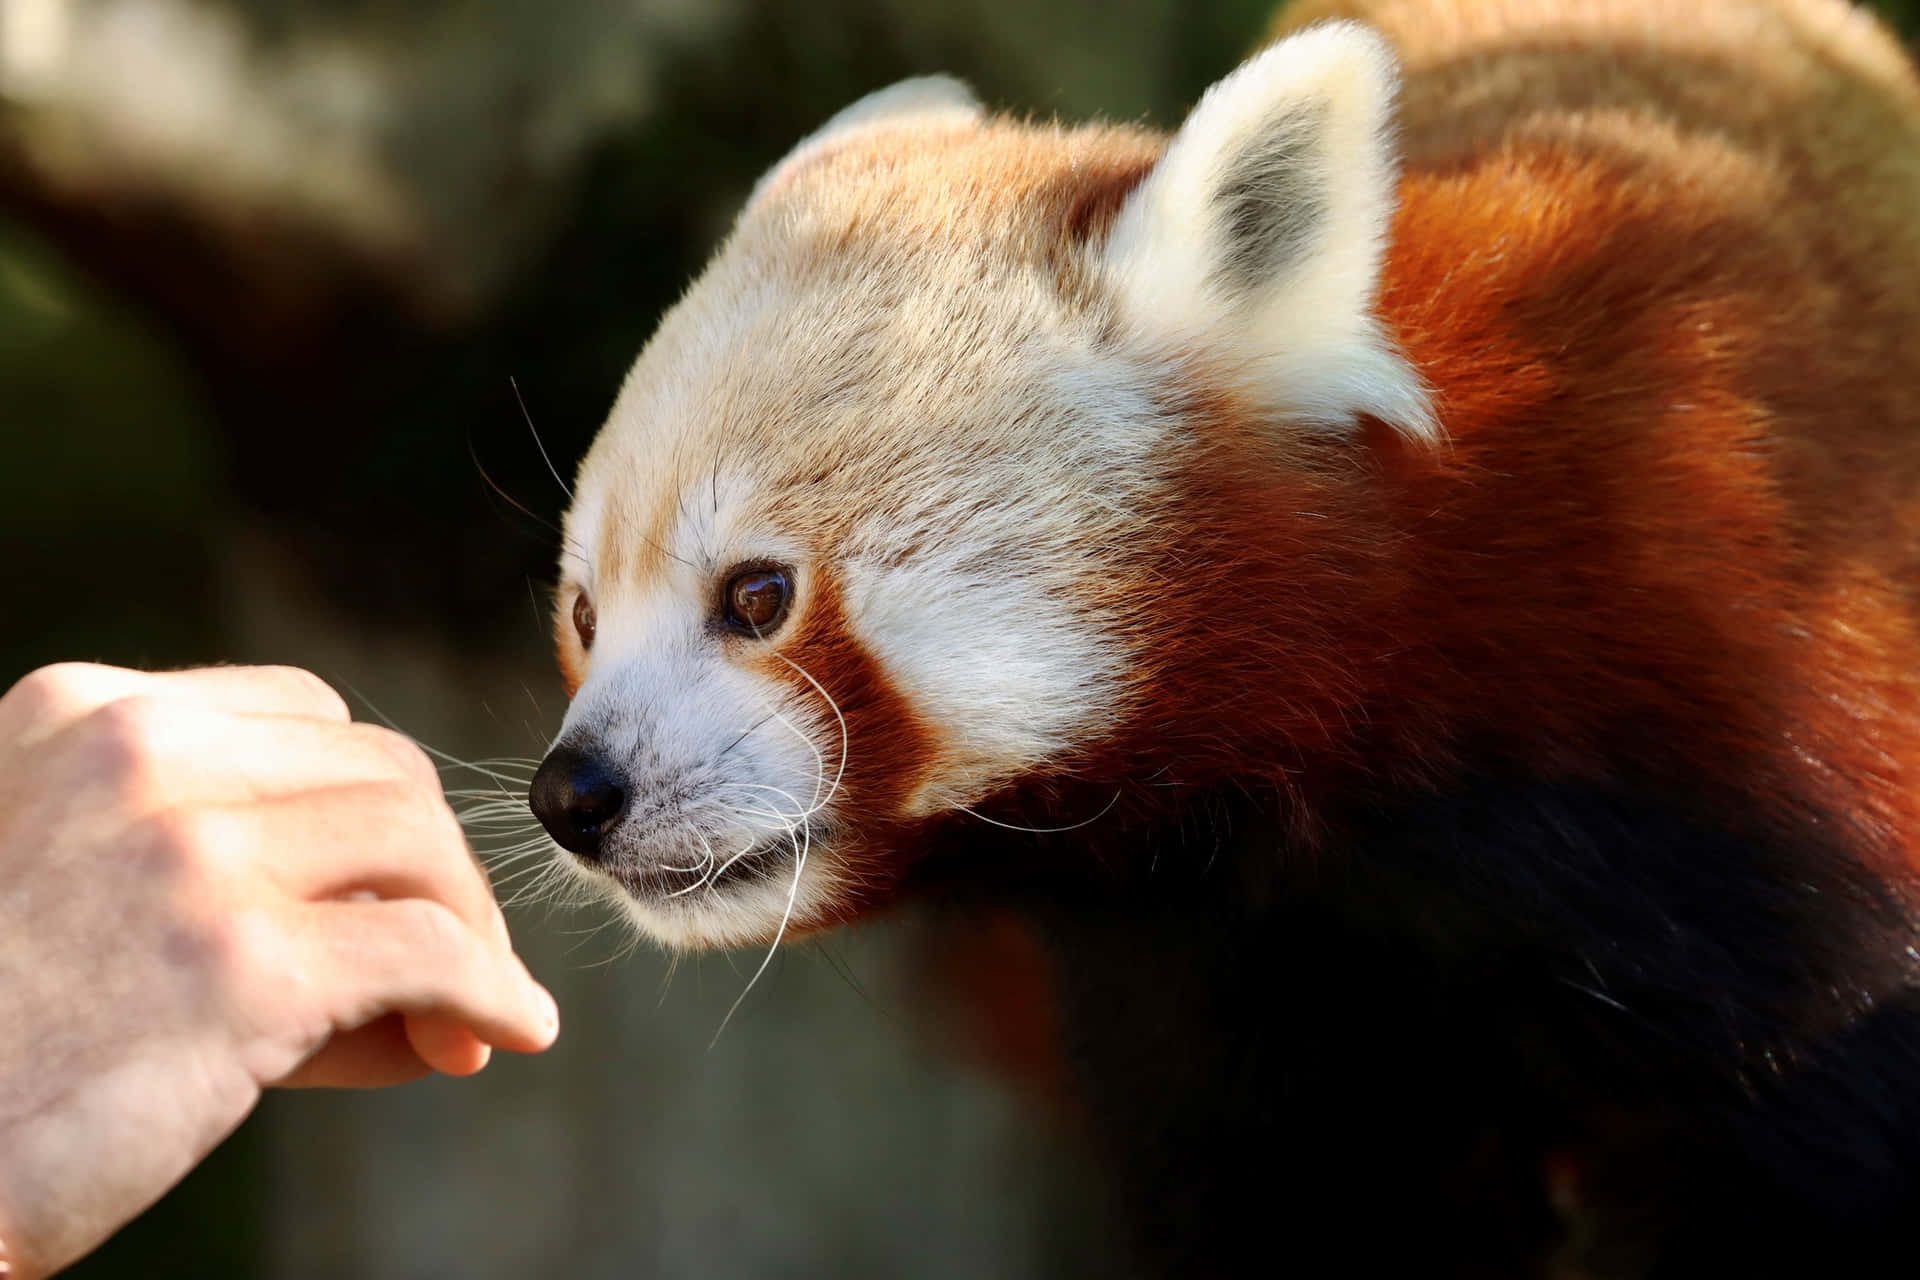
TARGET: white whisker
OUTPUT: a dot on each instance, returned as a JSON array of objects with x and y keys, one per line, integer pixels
[
  {"x": 793, "y": 894},
  {"x": 1040, "y": 831},
  {"x": 551, "y": 469},
  {"x": 721, "y": 870},
  {"x": 841, "y": 771},
  {"x": 706, "y": 864}
]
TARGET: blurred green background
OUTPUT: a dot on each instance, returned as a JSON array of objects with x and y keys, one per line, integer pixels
[{"x": 266, "y": 269}]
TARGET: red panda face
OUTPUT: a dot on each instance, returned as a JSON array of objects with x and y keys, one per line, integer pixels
[
  {"x": 878, "y": 524},
  {"x": 811, "y": 603}
]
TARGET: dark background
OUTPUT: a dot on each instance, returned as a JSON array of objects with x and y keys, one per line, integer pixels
[{"x": 266, "y": 269}]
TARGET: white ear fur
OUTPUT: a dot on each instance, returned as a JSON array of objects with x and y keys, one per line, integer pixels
[
  {"x": 1259, "y": 234},
  {"x": 922, "y": 97}
]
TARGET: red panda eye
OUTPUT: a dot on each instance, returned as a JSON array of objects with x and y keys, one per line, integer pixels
[
  {"x": 756, "y": 600},
  {"x": 584, "y": 620}
]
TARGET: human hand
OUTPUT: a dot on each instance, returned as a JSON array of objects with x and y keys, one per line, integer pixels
[{"x": 212, "y": 882}]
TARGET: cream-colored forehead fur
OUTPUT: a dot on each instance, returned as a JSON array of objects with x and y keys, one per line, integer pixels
[
  {"x": 904, "y": 314},
  {"x": 920, "y": 298}
]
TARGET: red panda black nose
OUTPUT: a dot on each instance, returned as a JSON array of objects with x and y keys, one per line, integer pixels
[{"x": 577, "y": 799}]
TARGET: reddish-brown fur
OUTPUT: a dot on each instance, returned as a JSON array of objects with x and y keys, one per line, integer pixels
[
  {"x": 1671, "y": 337},
  {"x": 1650, "y": 612},
  {"x": 1677, "y": 516},
  {"x": 1670, "y": 550},
  {"x": 887, "y": 746}
]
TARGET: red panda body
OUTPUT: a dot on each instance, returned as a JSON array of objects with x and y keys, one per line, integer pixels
[
  {"x": 1601, "y": 961},
  {"x": 1468, "y": 771},
  {"x": 1673, "y": 320}
]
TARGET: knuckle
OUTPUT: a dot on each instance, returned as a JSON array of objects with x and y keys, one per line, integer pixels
[
  {"x": 443, "y": 831},
  {"x": 176, "y": 847},
  {"x": 410, "y": 829},
  {"x": 217, "y": 947},
  {"x": 409, "y": 809},
  {"x": 445, "y": 861},
  {"x": 434, "y": 930},
  {"x": 48, "y": 693},
  {"x": 247, "y": 955},
  {"x": 177, "y": 907},
  {"x": 325, "y": 701},
  {"x": 413, "y": 763},
  {"x": 436, "y": 832},
  {"x": 123, "y": 740}
]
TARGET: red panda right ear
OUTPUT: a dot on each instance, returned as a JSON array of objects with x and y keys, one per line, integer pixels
[
  {"x": 920, "y": 98},
  {"x": 1258, "y": 236}
]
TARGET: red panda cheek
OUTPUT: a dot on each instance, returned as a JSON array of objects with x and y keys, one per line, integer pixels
[{"x": 871, "y": 739}]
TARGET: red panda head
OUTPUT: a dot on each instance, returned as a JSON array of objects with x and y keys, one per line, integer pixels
[{"x": 915, "y": 500}]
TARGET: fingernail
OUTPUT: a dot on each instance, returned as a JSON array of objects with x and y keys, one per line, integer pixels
[{"x": 548, "y": 1010}]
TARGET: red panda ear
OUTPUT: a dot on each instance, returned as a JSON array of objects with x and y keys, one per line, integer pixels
[
  {"x": 1257, "y": 238},
  {"x": 921, "y": 98}
]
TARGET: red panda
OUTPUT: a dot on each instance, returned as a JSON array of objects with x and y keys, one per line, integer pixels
[{"x": 1410, "y": 586}]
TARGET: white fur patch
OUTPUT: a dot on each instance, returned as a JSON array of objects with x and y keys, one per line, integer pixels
[{"x": 1258, "y": 237}]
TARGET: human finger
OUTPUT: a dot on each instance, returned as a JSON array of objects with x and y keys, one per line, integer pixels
[
  {"x": 412, "y": 956},
  {"x": 370, "y": 1057},
  {"x": 446, "y": 1045},
  {"x": 391, "y": 1050},
  {"x": 380, "y": 840},
  {"x": 264, "y": 690},
  {"x": 45, "y": 700},
  {"x": 187, "y": 753},
  {"x": 324, "y": 808}
]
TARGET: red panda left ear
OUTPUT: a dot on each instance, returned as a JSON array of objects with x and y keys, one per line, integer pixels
[
  {"x": 1257, "y": 238},
  {"x": 929, "y": 98}
]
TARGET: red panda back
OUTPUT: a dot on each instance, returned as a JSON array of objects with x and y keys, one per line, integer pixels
[
  {"x": 1645, "y": 634},
  {"x": 1664, "y": 277}
]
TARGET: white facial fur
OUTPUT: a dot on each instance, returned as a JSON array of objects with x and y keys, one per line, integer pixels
[
  {"x": 718, "y": 759},
  {"x": 882, "y": 382}
]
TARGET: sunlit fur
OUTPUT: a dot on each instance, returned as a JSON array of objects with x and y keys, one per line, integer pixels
[
  {"x": 1471, "y": 471},
  {"x": 1068, "y": 502},
  {"x": 922, "y": 372}
]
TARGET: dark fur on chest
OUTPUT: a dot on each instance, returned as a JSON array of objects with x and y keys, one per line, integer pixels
[{"x": 1519, "y": 1029}]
